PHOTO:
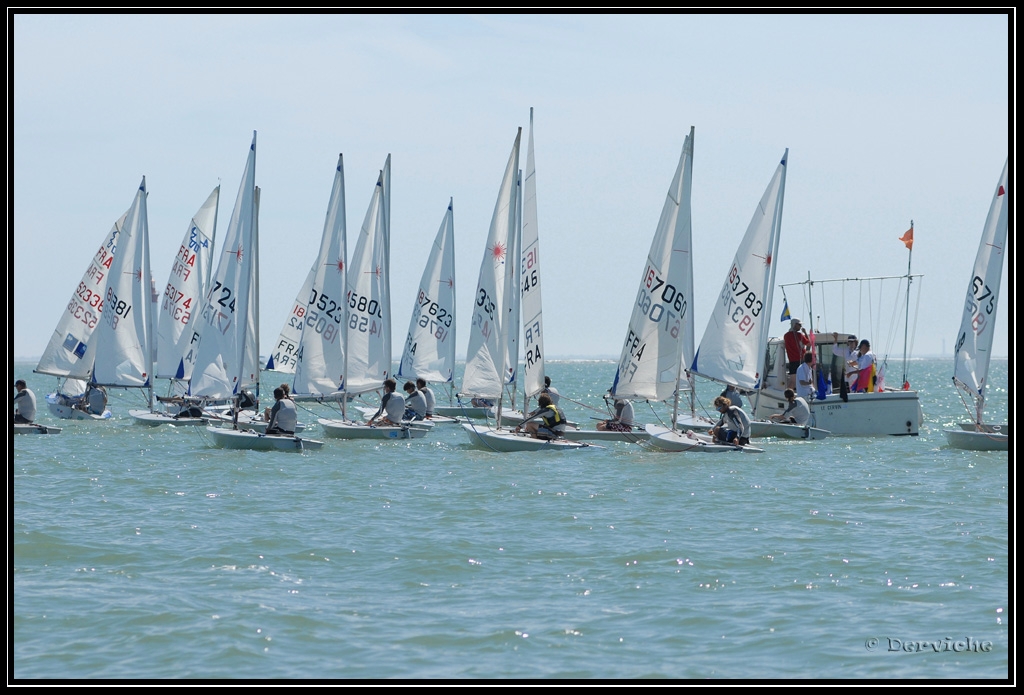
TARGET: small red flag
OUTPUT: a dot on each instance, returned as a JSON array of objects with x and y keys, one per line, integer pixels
[{"x": 908, "y": 238}]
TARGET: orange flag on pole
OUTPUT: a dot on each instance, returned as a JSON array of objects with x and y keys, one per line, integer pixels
[{"x": 908, "y": 238}]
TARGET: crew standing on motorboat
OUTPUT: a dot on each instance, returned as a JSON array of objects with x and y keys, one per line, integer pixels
[
  {"x": 734, "y": 425},
  {"x": 552, "y": 422},
  {"x": 849, "y": 355},
  {"x": 392, "y": 406},
  {"x": 797, "y": 344},
  {"x": 24, "y": 404},
  {"x": 805, "y": 377},
  {"x": 865, "y": 370},
  {"x": 283, "y": 416}
]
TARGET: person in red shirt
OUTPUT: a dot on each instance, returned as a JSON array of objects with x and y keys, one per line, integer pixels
[{"x": 797, "y": 344}]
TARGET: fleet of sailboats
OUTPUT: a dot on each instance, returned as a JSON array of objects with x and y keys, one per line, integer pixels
[{"x": 201, "y": 334}]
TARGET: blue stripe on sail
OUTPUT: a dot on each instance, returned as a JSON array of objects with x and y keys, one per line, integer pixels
[{"x": 180, "y": 373}]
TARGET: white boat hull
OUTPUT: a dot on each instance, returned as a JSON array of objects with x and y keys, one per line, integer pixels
[
  {"x": 66, "y": 412},
  {"x": 689, "y": 441},
  {"x": 22, "y": 428},
  {"x": 967, "y": 437},
  {"x": 457, "y": 411},
  {"x": 255, "y": 441},
  {"x": 864, "y": 414},
  {"x": 341, "y": 429},
  {"x": 508, "y": 441},
  {"x": 247, "y": 423},
  {"x": 154, "y": 419},
  {"x": 758, "y": 428},
  {"x": 637, "y": 435}
]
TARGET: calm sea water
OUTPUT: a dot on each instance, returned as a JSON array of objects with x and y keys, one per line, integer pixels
[{"x": 145, "y": 553}]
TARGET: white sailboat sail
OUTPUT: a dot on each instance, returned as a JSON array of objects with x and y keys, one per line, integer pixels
[
  {"x": 221, "y": 370},
  {"x": 429, "y": 352},
  {"x": 122, "y": 339},
  {"x": 186, "y": 287},
  {"x": 974, "y": 340},
  {"x": 661, "y": 327},
  {"x": 320, "y": 359},
  {"x": 285, "y": 354},
  {"x": 486, "y": 354},
  {"x": 69, "y": 352},
  {"x": 732, "y": 349},
  {"x": 529, "y": 273},
  {"x": 369, "y": 299}
]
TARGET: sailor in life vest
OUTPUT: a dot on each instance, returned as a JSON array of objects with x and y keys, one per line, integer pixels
[{"x": 551, "y": 423}]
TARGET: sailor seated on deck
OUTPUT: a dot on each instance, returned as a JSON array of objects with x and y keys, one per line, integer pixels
[
  {"x": 94, "y": 401},
  {"x": 551, "y": 424},
  {"x": 283, "y": 416},
  {"x": 392, "y": 407},
  {"x": 798, "y": 412},
  {"x": 623, "y": 420},
  {"x": 415, "y": 403},
  {"x": 734, "y": 425}
]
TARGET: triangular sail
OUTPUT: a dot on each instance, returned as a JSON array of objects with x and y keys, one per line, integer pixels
[
  {"x": 369, "y": 301},
  {"x": 529, "y": 273},
  {"x": 662, "y": 324},
  {"x": 321, "y": 354},
  {"x": 974, "y": 340},
  {"x": 182, "y": 297},
  {"x": 486, "y": 355},
  {"x": 510, "y": 327},
  {"x": 221, "y": 368},
  {"x": 285, "y": 355},
  {"x": 733, "y": 346},
  {"x": 122, "y": 339},
  {"x": 429, "y": 352},
  {"x": 70, "y": 352}
]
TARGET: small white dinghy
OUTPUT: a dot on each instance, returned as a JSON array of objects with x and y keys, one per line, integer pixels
[
  {"x": 690, "y": 441},
  {"x": 257, "y": 441},
  {"x": 989, "y": 438},
  {"x": 346, "y": 429},
  {"x": 639, "y": 434},
  {"x": 456, "y": 411},
  {"x": 153, "y": 418},
  {"x": 25, "y": 428},
  {"x": 510, "y": 441},
  {"x": 62, "y": 409},
  {"x": 759, "y": 428}
]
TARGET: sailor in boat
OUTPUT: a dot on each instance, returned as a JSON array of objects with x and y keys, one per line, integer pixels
[
  {"x": 24, "y": 404},
  {"x": 547, "y": 422},
  {"x": 550, "y": 391},
  {"x": 733, "y": 394},
  {"x": 623, "y": 420},
  {"x": 797, "y": 344},
  {"x": 94, "y": 401},
  {"x": 865, "y": 370},
  {"x": 287, "y": 394},
  {"x": 733, "y": 427},
  {"x": 283, "y": 416},
  {"x": 392, "y": 406},
  {"x": 428, "y": 395},
  {"x": 796, "y": 413},
  {"x": 849, "y": 355},
  {"x": 805, "y": 377},
  {"x": 415, "y": 403}
]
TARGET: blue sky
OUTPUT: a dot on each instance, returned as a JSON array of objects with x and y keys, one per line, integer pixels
[{"x": 887, "y": 119}]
